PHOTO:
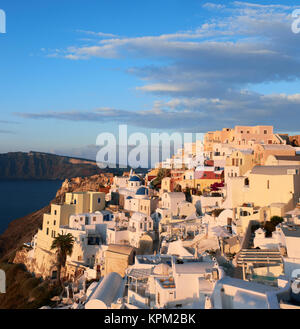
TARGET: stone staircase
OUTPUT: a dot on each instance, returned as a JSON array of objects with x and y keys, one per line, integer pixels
[{"x": 259, "y": 257}]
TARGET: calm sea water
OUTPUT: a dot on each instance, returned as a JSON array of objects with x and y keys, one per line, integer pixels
[{"x": 20, "y": 198}]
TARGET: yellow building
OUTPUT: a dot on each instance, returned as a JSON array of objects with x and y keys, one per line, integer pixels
[
  {"x": 187, "y": 179},
  {"x": 218, "y": 136},
  {"x": 86, "y": 202},
  {"x": 265, "y": 192},
  {"x": 283, "y": 160},
  {"x": 118, "y": 258},
  {"x": 166, "y": 185},
  {"x": 238, "y": 163},
  {"x": 241, "y": 136},
  {"x": 262, "y": 152},
  {"x": 200, "y": 180},
  {"x": 76, "y": 203},
  {"x": 204, "y": 184},
  {"x": 59, "y": 216}
]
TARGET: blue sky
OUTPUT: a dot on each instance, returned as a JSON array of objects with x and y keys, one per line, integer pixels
[{"x": 71, "y": 69}]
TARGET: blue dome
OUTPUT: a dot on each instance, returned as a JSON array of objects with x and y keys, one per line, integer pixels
[
  {"x": 134, "y": 179},
  {"x": 142, "y": 191},
  {"x": 129, "y": 197}
]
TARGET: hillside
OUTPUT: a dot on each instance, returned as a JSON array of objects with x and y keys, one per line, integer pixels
[{"x": 37, "y": 166}]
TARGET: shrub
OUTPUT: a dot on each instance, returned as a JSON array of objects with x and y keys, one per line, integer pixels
[{"x": 276, "y": 220}]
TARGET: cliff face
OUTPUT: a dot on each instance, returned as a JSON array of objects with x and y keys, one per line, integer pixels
[
  {"x": 94, "y": 183},
  {"x": 23, "y": 229},
  {"x": 36, "y": 165}
]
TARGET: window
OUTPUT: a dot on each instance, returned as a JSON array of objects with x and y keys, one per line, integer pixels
[
  {"x": 265, "y": 132},
  {"x": 99, "y": 200},
  {"x": 55, "y": 212},
  {"x": 94, "y": 219},
  {"x": 54, "y": 275},
  {"x": 141, "y": 225},
  {"x": 54, "y": 223},
  {"x": 241, "y": 161},
  {"x": 268, "y": 184},
  {"x": 47, "y": 231}
]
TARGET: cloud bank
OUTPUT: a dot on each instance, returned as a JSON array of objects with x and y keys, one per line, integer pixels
[{"x": 206, "y": 73}]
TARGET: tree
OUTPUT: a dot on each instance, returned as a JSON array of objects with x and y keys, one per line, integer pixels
[
  {"x": 276, "y": 220},
  {"x": 162, "y": 173},
  {"x": 63, "y": 244},
  {"x": 270, "y": 226},
  {"x": 187, "y": 193}
]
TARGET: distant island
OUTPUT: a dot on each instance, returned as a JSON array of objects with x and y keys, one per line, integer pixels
[{"x": 46, "y": 166}]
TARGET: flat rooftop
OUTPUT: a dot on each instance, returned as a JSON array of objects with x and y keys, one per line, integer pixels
[
  {"x": 273, "y": 170},
  {"x": 291, "y": 231}
]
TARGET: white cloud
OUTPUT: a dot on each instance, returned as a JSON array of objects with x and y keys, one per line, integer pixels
[{"x": 206, "y": 71}]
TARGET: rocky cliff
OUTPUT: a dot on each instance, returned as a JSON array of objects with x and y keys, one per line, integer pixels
[
  {"x": 19, "y": 231},
  {"x": 37, "y": 165},
  {"x": 99, "y": 182}
]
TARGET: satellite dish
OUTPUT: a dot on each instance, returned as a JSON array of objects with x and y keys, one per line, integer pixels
[
  {"x": 296, "y": 273},
  {"x": 296, "y": 287}
]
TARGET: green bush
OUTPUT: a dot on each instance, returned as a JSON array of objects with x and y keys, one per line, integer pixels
[{"x": 275, "y": 220}]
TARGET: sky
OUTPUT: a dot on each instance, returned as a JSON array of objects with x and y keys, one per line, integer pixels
[{"x": 72, "y": 69}]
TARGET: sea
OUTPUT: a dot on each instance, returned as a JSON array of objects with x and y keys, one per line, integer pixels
[{"x": 20, "y": 198}]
